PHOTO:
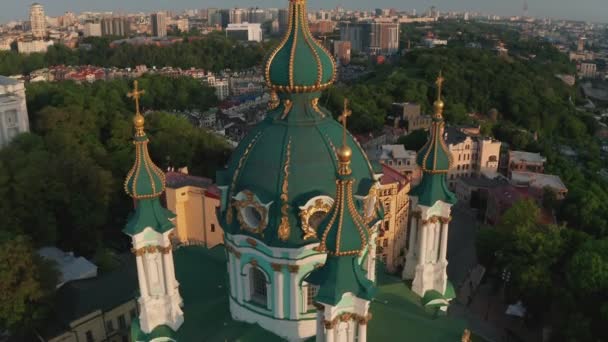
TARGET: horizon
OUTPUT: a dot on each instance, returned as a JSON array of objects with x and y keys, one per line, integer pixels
[{"x": 558, "y": 9}]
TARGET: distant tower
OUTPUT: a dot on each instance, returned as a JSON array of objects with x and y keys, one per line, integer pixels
[
  {"x": 38, "y": 21},
  {"x": 431, "y": 200},
  {"x": 149, "y": 228},
  {"x": 159, "y": 24},
  {"x": 525, "y": 8}
]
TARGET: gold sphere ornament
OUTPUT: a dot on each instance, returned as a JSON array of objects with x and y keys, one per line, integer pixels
[
  {"x": 344, "y": 154},
  {"x": 139, "y": 121}
]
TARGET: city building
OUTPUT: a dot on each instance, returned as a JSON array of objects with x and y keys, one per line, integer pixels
[
  {"x": 402, "y": 160},
  {"x": 13, "y": 110},
  {"x": 342, "y": 51},
  {"x": 320, "y": 27},
  {"x": 410, "y": 114},
  {"x": 393, "y": 195},
  {"x": 159, "y": 24},
  {"x": 37, "y": 21},
  {"x": 526, "y": 161},
  {"x": 540, "y": 181},
  {"x": 237, "y": 16},
  {"x": 283, "y": 20},
  {"x": 501, "y": 199},
  {"x": 33, "y": 46},
  {"x": 245, "y": 32},
  {"x": 221, "y": 86},
  {"x": 357, "y": 34},
  {"x": 115, "y": 26},
  {"x": 431, "y": 206},
  {"x": 384, "y": 38},
  {"x": 101, "y": 308},
  {"x": 474, "y": 191},
  {"x": 473, "y": 155},
  {"x": 194, "y": 201},
  {"x": 587, "y": 70},
  {"x": 92, "y": 30}
]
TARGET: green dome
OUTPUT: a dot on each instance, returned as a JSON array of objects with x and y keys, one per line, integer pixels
[
  {"x": 145, "y": 179},
  {"x": 434, "y": 156},
  {"x": 285, "y": 161},
  {"x": 299, "y": 63}
]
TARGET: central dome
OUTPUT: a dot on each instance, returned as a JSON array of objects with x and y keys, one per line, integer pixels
[
  {"x": 299, "y": 63},
  {"x": 284, "y": 162}
]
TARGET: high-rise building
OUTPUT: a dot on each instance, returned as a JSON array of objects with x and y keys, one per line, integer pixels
[
  {"x": 38, "y": 21},
  {"x": 342, "y": 51},
  {"x": 92, "y": 30},
  {"x": 13, "y": 111},
  {"x": 373, "y": 37},
  {"x": 116, "y": 26},
  {"x": 245, "y": 32},
  {"x": 159, "y": 24},
  {"x": 237, "y": 16},
  {"x": 283, "y": 20}
]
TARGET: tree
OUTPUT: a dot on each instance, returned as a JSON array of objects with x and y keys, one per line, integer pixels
[
  {"x": 27, "y": 283},
  {"x": 415, "y": 140}
]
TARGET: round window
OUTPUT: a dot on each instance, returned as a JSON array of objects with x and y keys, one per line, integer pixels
[{"x": 252, "y": 216}]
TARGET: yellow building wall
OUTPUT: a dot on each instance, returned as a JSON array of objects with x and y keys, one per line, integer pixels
[
  {"x": 392, "y": 238},
  {"x": 196, "y": 221}
]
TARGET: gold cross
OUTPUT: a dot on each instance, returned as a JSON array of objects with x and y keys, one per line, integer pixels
[
  {"x": 136, "y": 94},
  {"x": 343, "y": 119},
  {"x": 439, "y": 84}
]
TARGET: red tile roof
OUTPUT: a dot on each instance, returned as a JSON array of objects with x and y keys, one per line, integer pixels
[{"x": 391, "y": 176}]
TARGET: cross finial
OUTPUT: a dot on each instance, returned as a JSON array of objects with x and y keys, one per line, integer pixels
[
  {"x": 346, "y": 112},
  {"x": 439, "y": 83},
  {"x": 136, "y": 94}
]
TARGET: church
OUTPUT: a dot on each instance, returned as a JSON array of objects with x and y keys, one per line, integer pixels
[{"x": 299, "y": 209}]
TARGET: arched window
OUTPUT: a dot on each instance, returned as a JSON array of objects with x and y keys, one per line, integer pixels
[
  {"x": 258, "y": 286},
  {"x": 309, "y": 292}
]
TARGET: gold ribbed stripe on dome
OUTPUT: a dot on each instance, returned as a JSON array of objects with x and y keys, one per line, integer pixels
[
  {"x": 307, "y": 36},
  {"x": 284, "y": 228},
  {"x": 235, "y": 176}
]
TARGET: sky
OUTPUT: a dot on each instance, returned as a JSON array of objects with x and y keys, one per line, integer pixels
[{"x": 589, "y": 10}]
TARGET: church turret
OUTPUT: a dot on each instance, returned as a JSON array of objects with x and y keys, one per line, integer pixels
[
  {"x": 150, "y": 227},
  {"x": 344, "y": 290},
  {"x": 431, "y": 202}
]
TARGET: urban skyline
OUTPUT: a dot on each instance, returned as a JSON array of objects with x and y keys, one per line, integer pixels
[{"x": 587, "y": 10}]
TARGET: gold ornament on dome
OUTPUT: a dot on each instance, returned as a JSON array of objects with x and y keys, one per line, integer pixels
[
  {"x": 306, "y": 213},
  {"x": 371, "y": 204},
  {"x": 151, "y": 250},
  {"x": 284, "y": 228},
  {"x": 235, "y": 176},
  {"x": 250, "y": 202},
  {"x": 315, "y": 105},
  {"x": 287, "y": 104},
  {"x": 274, "y": 101}
]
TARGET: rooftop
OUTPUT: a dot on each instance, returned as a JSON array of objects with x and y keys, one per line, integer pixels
[
  {"x": 526, "y": 157},
  {"x": 396, "y": 152},
  {"x": 537, "y": 180},
  {"x": 391, "y": 176},
  {"x": 4, "y": 81},
  {"x": 483, "y": 182},
  {"x": 71, "y": 267}
]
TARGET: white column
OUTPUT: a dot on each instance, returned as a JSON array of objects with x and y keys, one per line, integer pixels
[
  {"x": 239, "y": 281},
  {"x": 268, "y": 296},
  {"x": 231, "y": 275},
  {"x": 444, "y": 241},
  {"x": 141, "y": 276},
  {"x": 172, "y": 283},
  {"x": 278, "y": 294},
  {"x": 422, "y": 249},
  {"x": 320, "y": 327},
  {"x": 330, "y": 334},
  {"x": 294, "y": 295},
  {"x": 411, "y": 251},
  {"x": 362, "y": 332}
]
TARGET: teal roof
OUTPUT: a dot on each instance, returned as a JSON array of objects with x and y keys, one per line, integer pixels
[
  {"x": 338, "y": 276},
  {"x": 299, "y": 63},
  {"x": 149, "y": 213},
  {"x": 433, "y": 188},
  {"x": 304, "y": 139},
  {"x": 161, "y": 331},
  {"x": 145, "y": 179},
  {"x": 450, "y": 292}
]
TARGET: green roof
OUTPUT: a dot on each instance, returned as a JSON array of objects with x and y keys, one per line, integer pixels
[
  {"x": 435, "y": 156},
  {"x": 338, "y": 276},
  {"x": 158, "y": 332},
  {"x": 296, "y": 150},
  {"x": 299, "y": 63},
  {"x": 145, "y": 179},
  {"x": 149, "y": 213},
  {"x": 433, "y": 188}
]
